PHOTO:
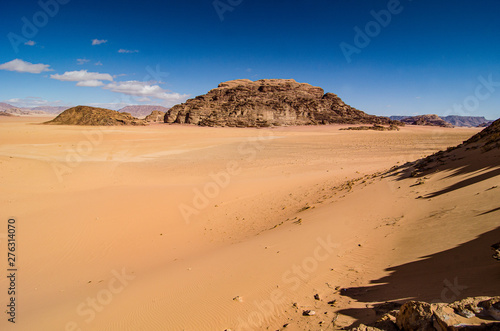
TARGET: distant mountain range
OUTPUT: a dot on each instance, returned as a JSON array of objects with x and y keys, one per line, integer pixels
[
  {"x": 455, "y": 120},
  {"x": 21, "y": 111},
  {"x": 141, "y": 111}
]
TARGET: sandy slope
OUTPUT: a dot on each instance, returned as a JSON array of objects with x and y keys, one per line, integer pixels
[{"x": 160, "y": 227}]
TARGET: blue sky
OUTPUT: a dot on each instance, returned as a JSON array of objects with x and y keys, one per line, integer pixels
[{"x": 383, "y": 57}]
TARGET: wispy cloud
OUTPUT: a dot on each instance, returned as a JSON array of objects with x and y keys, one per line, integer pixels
[
  {"x": 98, "y": 63},
  {"x": 121, "y": 50},
  {"x": 23, "y": 66},
  {"x": 30, "y": 43},
  {"x": 90, "y": 83},
  {"x": 82, "y": 61},
  {"x": 98, "y": 41},
  {"x": 30, "y": 102},
  {"x": 83, "y": 77},
  {"x": 145, "y": 91}
]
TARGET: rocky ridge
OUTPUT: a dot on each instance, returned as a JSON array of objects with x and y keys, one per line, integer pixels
[
  {"x": 83, "y": 115},
  {"x": 268, "y": 102},
  {"x": 469, "y": 121},
  {"x": 429, "y": 120}
]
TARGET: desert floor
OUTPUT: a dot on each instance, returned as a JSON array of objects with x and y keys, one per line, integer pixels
[{"x": 171, "y": 227}]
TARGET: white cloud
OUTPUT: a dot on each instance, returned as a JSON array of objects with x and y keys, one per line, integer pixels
[
  {"x": 81, "y": 75},
  {"x": 144, "y": 90},
  {"x": 98, "y": 41},
  {"x": 98, "y": 63},
  {"x": 23, "y": 66},
  {"x": 121, "y": 50},
  {"x": 30, "y": 43},
  {"x": 82, "y": 61},
  {"x": 90, "y": 83}
]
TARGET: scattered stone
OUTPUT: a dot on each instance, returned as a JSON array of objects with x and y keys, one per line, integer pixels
[
  {"x": 331, "y": 303},
  {"x": 308, "y": 313},
  {"x": 238, "y": 298},
  {"x": 316, "y": 296}
]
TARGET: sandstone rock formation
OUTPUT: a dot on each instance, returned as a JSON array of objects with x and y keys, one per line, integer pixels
[
  {"x": 268, "y": 102},
  {"x": 156, "y": 116},
  {"x": 430, "y": 120},
  {"x": 479, "y": 313},
  {"x": 83, "y": 115},
  {"x": 4, "y": 113}
]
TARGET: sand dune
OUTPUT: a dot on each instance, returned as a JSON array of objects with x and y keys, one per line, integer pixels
[{"x": 188, "y": 228}]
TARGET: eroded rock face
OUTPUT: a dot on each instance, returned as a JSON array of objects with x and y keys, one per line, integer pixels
[
  {"x": 478, "y": 313},
  {"x": 83, "y": 115},
  {"x": 268, "y": 102},
  {"x": 156, "y": 116}
]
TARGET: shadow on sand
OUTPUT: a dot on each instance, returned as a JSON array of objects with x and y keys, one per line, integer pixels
[{"x": 464, "y": 271}]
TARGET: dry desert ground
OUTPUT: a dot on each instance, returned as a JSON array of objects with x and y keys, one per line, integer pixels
[{"x": 173, "y": 227}]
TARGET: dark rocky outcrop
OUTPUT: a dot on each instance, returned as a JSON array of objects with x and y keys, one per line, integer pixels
[
  {"x": 268, "y": 102},
  {"x": 374, "y": 127},
  {"x": 83, "y": 115}
]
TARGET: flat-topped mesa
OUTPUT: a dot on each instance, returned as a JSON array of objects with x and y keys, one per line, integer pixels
[
  {"x": 83, "y": 115},
  {"x": 268, "y": 102}
]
